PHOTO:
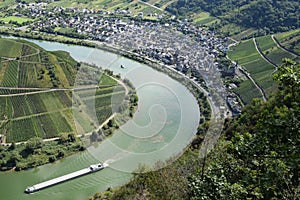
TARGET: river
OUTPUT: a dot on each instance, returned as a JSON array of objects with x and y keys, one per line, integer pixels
[{"x": 164, "y": 124}]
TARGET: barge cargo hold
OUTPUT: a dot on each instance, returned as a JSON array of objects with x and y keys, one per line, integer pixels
[{"x": 39, "y": 186}]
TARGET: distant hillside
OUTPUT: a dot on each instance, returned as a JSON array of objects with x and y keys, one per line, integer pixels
[
  {"x": 270, "y": 15},
  {"x": 24, "y": 64},
  {"x": 28, "y": 108}
]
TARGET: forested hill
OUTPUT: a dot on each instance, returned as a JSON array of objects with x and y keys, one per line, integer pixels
[{"x": 271, "y": 15}]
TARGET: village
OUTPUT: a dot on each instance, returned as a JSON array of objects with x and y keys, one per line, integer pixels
[{"x": 178, "y": 44}]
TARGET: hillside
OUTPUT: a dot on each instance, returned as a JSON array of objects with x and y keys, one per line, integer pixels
[
  {"x": 290, "y": 41},
  {"x": 27, "y": 65},
  {"x": 267, "y": 15},
  {"x": 257, "y": 156},
  {"x": 261, "y": 57},
  {"x": 39, "y": 96}
]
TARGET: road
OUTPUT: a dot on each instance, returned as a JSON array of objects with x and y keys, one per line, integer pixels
[
  {"x": 248, "y": 75},
  {"x": 253, "y": 81},
  {"x": 262, "y": 55},
  {"x": 148, "y": 4}
]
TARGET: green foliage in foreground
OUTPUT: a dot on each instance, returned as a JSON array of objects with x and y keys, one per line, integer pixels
[
  {"x": 257, "y": 157},
  {"x": 35, "y": 152}
]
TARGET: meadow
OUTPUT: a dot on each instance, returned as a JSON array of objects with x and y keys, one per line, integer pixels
[
  {"x": 18, "y": 20},
  {"x": 204, "y": 18}
]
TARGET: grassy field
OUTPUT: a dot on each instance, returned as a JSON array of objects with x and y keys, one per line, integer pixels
[
  {"x": 5, "y": 3},
  {"x": 204, "y": 18},
  {"x": 18, "y": 20},
  {"x": 245, "y": 54},
  {"x": 12, "y": 48},
  {"x": 32, "y": 106}
]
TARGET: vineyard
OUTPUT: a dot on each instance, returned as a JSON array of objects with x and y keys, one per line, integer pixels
[
  {"x": 274, "y": 53},
  {"x": 246, "y": 55},
  {"x": 38, "y": 98},
  {"x": 10, "y": 78}
]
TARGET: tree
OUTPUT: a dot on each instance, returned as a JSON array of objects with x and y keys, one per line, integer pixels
[
  {"x": 33, "y": 144},
  {"x": 288, "y": 77}
]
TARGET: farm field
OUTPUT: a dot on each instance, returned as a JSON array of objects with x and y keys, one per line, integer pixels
[
  {"x": 46, "y": 114},
  {"x": 18, "y": 20},
  {"x": 270, "y": 49},
  {"x": 135, "y": 6},
  {"x": 12, "y": 48},
  {"x": 246, "y": 55},
  {"x": 204, "y": 18},
  {"x": 38, "y": 97},
  {"x": 290, "y": 40},
  {"x": 247, "y": 92},
  {"x": 26, "y": 65}
]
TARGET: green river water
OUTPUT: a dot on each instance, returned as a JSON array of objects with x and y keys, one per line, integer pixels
[{"x": 165, "y": 123}]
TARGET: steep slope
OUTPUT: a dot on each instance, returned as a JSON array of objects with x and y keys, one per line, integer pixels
[
  {"x": 269, "y": 15},
  {"x": 256, "y": 158}
]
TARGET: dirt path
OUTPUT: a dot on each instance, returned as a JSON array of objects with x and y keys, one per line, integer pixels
[
  {"x": 29, "y": 93},
  {"x": 121, "y": 83}
]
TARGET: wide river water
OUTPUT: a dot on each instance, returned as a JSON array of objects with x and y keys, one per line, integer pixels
[{"x": 164, "y": 124}]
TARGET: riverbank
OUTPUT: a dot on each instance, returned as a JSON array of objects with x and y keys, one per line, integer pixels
[
  {"x": 197, "y": 89},
  {"x": 175, "y": 128},
  {"x": 37, "y": 151}
]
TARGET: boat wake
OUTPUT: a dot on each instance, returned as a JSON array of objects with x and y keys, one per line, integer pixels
[{"x": 109, "y": 161}]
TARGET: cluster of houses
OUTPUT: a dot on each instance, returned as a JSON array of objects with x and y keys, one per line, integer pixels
[
  {"x": 187, "y": 48},
  {"x": 233, "y": 104},
  {"x": 1, "y": 139}
]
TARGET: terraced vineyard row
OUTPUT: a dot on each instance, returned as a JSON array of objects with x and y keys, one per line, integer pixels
[
  {"x": 100, "y": 91},
  {"x": 290, "y": 40},
  {"x": 22, "y": 74},
  {"x": 103, "y": 113},
  {"x": 42, "y": 113},
  {"x": 25, "y": 105},
  {"x": 28, "y": 108},
  {"x": 100, "y": 101},
  {"x": 274, "y": 53},
  {"x": 44, "y": 126},
  {"x": 246, "y": 55},
  {"x": 10, "y": 78},
  {"x": 27, "y": 75}
]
